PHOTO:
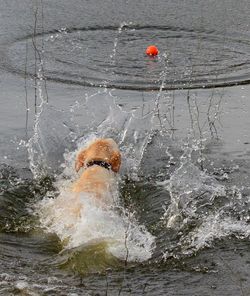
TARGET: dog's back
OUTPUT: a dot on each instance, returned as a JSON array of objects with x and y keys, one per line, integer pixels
[
  {"x": 95, "y": 180},
  {"x": 101, "y": 160}
]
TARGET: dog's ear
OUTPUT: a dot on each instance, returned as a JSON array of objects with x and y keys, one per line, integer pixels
[
  {"x": 80, "y": 160},
  {"x": 115, "y": 161}
]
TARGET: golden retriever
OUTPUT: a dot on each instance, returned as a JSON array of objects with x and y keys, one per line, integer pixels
[{"x": 101, "y": 160}]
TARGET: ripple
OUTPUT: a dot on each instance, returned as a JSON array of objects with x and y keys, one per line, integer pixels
[{"x": 114, "y": 57}]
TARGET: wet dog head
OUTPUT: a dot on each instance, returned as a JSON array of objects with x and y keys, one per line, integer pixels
[{"x": 105, "y": 150}]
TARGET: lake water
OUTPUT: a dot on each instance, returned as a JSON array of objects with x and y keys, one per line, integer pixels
[{"x": 74, "y": 70}]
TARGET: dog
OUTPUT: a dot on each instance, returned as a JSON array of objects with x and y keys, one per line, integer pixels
[
  {"x": 95, "y": 191},
  {"x": 101, "y": 161}
]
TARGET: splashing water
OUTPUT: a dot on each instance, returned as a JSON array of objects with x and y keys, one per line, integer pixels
[
  {"x": 53, "y": 133},
  {"x": 202, "y": 210},
  {"x": 118, "y": 228},
  {"x": 119, "y": 31},
  {"x": 188, "y": 185},
  {"x": 124, "y": 237}
]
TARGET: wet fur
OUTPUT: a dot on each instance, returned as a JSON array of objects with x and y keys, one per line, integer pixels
[{"x": 97, "y": 180}]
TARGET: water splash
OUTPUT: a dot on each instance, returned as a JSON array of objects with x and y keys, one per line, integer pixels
[
  {"x": 54, "y": 132},
  {"x": 53, "y": 149},
  {"x": 190, "y": 190},
  {"x": 119, "y": 31},
  {"x": 124, "y": 237},
  {"x": 198, "y": 202},
  {"x": 113, "y": 225},
  {"x": 201, "y": 210}
]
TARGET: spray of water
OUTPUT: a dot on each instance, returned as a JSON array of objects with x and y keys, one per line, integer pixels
[
  {"x": 124, "y": 237},
  {"x": 200, "y": 208}
]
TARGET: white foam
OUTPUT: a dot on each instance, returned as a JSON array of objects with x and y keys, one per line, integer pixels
[
  {"x": 217, "y": 227},
  {"x": 125, "y": 238},
  {"x": 21, "y": 285},
  {"x": 212, "y": 210}
]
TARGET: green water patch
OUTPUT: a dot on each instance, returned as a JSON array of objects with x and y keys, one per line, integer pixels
[{"x": 93, "y": 257}]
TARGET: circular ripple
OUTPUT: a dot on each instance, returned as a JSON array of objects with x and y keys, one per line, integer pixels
[{"x": 115, "y": 58}]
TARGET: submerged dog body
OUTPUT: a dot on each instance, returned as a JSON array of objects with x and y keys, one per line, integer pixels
[
  {"x": 96, "y": 186},
  {"x": 85, "y": 212},
  {"x": 101, "y": 160}
]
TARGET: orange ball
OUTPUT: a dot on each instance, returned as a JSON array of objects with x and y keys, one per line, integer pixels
[{"x": 152, "y": 50}]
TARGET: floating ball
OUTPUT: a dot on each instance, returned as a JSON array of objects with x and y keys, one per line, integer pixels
[{"x": 152, "y": 50}]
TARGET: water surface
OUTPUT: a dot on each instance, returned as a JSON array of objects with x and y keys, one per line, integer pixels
[{"x": 71, "y": 71}]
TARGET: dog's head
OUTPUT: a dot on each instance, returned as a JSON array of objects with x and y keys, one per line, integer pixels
[{"x": 105, "y": 150}]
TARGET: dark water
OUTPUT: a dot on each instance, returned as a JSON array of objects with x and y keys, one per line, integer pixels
[{"x": 72, "y": 70}]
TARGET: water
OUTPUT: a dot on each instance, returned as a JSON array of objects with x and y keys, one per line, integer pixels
[
  {"x": 180, "y": 220},
  {"x": 196, "y": 58}
]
